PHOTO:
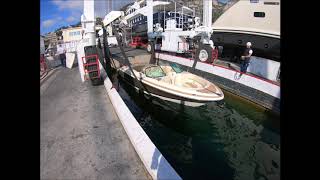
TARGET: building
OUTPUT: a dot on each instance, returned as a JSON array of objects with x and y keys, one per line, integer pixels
[
  {"x": 51, "y": 38},
  {"x": 72, "y": 34},
  {"x": 42, "y": 48}
]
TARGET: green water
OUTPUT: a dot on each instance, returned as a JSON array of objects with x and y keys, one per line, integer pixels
[{"x": 233, "y": 139}]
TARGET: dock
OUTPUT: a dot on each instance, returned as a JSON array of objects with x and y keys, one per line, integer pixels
[{"x": 81, "y": 135}]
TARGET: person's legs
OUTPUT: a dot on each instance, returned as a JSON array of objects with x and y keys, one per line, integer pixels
[
  {"x": 64, "y": 62},
  {"x": 61, "y": 59},
  {"x": 242, "y": 66},
  {"x": 246, "y": 64}
]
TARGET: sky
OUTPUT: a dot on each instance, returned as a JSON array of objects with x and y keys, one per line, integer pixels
[{"x": 57, "y": 13}]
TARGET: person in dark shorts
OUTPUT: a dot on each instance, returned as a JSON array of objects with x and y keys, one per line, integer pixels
[
  {"x": 245, "y": 58},
  {"x": 62, "y": 54}
]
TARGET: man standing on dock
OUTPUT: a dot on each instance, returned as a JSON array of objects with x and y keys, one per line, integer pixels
[
  {"x": 246, "y": 58},
  {"x": 62, "y": 54}
]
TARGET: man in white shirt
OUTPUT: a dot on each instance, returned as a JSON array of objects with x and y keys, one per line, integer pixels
[{"x": 62, "y": 54}]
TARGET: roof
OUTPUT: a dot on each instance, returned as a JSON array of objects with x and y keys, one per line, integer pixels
[{"x": 78, "y": 27}]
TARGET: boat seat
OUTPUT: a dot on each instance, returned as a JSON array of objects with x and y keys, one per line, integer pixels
[
  {"x": 167, "y": 69},
  {"x": 190, "y": 85},
  {"x": 172, "y": 76},
  {"x": 178, "y": 81}
]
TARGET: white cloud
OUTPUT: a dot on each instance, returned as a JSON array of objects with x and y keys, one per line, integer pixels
[
  {"x": 71, "y": 19},
  {"x": 48, "y": 23},
  {"x": 76, "y": 6},
  {"x": 69, "y": 4}
]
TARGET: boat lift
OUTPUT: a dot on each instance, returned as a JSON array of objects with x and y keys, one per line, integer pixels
[
  {"x": 89, "y": 63},
  {"x": 174, "y": 36}
]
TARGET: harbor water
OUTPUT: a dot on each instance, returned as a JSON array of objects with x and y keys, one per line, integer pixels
[{"x": 232, "y": 139}]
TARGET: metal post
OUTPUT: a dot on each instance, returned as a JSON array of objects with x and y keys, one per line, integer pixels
[
  {"x": 182, "y": 19},
  {"x": 175, "y": 13},
  {"x": 89, "y": 22},
  {"x": 164, "y": 16},
  {"x": 150, "y": 16},
  {"x": 207, "y": 13}
]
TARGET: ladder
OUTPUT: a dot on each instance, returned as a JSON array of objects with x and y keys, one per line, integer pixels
[{"x": 91, "y": 67}]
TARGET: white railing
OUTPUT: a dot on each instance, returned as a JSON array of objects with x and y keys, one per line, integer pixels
[{"x": 71, "y": 46}]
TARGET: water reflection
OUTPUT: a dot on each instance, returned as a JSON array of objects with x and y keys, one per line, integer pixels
[{"x": 217, "y": 141}]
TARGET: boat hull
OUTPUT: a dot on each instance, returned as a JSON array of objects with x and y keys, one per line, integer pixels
[{"x": 155, "y": 92}]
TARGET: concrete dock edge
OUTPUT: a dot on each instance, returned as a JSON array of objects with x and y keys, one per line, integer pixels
[{"x": 155, "y": 163}]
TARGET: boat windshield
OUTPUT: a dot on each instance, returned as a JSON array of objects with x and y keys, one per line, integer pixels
[
  {"x": 154, "y": 72},
  {"x": 177, "y": 68}
]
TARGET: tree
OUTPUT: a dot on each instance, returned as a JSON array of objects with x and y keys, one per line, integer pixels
[
  {"x": 59, "y": 33},
  {"x": 216, "y": 14}
]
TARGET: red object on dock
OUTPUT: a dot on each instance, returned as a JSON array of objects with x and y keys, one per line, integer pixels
[
  {"x": 137, "y": 42},
  {"x": 91, "y": 66},
  {"x": 43, "y": 64},
  {"x": 214, "y": 54}
]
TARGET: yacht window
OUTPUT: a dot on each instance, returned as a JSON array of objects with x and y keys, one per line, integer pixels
[
  {"x": 271, "y": 3},
  {"x": 254, "y": 1},
  {"x": 259, "y": 14}
]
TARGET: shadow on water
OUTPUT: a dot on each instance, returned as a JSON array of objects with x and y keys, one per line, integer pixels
[{"x": 215, "y": 141}]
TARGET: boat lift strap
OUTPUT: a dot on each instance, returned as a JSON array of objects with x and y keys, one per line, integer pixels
[{"x": 126, "y": 58}]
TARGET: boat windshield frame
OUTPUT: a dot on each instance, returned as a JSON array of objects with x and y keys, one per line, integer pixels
[{"x": 163, "y": 74}]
